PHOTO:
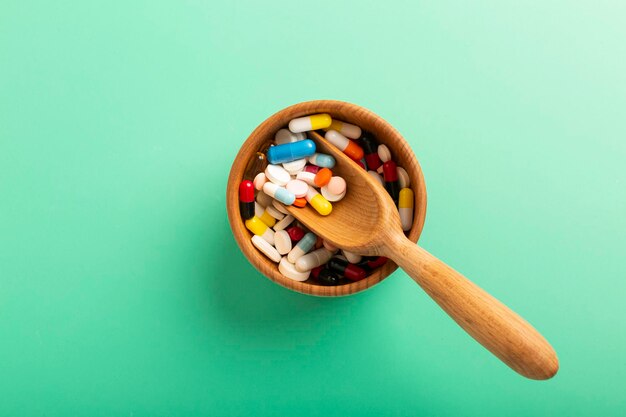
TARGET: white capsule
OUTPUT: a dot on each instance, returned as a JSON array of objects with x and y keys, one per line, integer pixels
[
  {"x": 384, "y": 153},
  {"x": 403, "y": 178},
  {"x": 277, "y": 174},
  {"x": 307, "y": 177},
  {"x": 282, "y": 242},
  {"x": 294, "y": 167},
  {"x": 286, "y": 221},
  {"x": 289, "y": 270},
  {"x": 264, "y": 199},
  {"x": 285, "y": 136},
  {"x": 279, "y": 193},
  {"x": 377, "y": 177},
  {"x": 351, "y": 257},
  {"x": 314, "y": 259},
  {"x": 265, "y": 248},
  {"x": 274, "y": 212}
]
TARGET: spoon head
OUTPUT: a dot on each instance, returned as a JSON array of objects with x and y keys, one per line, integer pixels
[{"x": 364, "y": 219}]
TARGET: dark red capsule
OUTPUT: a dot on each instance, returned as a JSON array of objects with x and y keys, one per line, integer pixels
[
  {"x": 376, "y": 262},
  {"x": 361, "y": 164},
  {"x": 295, "y": 233},
  {"x": 246, "y": 199},
  {"x": 346, "y": 269},
  {"x": 315, "y": 272}
]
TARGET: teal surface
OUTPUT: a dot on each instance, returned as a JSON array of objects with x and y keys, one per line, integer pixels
[{"x": 122, "y": 291}]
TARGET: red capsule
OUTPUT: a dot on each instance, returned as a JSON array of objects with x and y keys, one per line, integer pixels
[
  {"x": 311, "y": 168},
  {"x": 361, "y": 164},
  {"x": 376, "y": 262},
  {"x": 390, "y": 171},
  {"x": 316, "y": 271},
  {"x": 295, "y": 233},
  {"x": 246, "y": 191}
]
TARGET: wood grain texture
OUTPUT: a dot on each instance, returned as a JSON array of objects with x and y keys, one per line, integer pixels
[
  {"x": 366, "y": 221},
  {"x": 347, "y": 112}
]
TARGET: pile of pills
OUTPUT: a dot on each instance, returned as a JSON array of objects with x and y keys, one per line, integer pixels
[{"x": 290, "y": 172}]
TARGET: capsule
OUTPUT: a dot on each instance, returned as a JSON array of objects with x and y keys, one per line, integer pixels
[
  {"x": 311, "y": 260},
  {"x": 346, "y": 129},
  {"x": 311, "y": 168},
  {"x": 318, "y": 202},
  {"x": 304, "y": 246},
  {"x": 246, "y": 199},
  {"x": 313, "y": 122},
  {"x": 290, "y": 151},
  {"x": 405, "y": 207},
  {"x": 327, "y": 276},
  {"x": 370, "y": 148},
  {"x": 347, "y": 270},
  {"x": 279, "y": 193},
  {"x": 256, "y": 164},
  {"x": 390, "y": 174},
  {"x": 322, "y": 160},
  {"x": 256, "y": 226},
  {"x": 344, "y": 144},
  {"x": 263, "y": 214}
]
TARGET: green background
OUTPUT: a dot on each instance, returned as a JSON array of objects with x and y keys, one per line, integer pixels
[{"x": 122, "y": 291}]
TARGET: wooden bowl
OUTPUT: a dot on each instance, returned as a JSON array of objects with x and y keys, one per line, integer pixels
[{"x": 347, "y": 112}]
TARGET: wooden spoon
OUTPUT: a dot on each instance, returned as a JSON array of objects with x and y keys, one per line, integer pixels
[{"x": 366, "y": 222}]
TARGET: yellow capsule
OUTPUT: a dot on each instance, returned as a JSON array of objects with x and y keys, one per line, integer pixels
[
  {"x": 406, "y": 198},
  {"x": 318, "y": 202},
  {"x": 256, "y": 226},
  {"x": 262, "y": 214},
  {"x": 268, "y": 219}
]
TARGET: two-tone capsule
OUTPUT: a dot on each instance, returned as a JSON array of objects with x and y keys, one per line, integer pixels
[
  {"x": 246, "y": 199},
  {"x": 390, "y": 175},
  {"x": 290, "y": 151},
  {"x": 313, "y": 122},
  {"x": 405, "y": 208},
  {"x": 344, "y": 144},
  {"x": 256, "y": 226},
  {"x": 302, "y": 247},
  {"x": 370, "y": 148},
  {"x": 346, "y": 129},
  {"x": 347, "y": 270},
  {"x": 311, "y": 260},
  {"x": 263, "y": 215},
  {"x": 318, "y": 202},
  {"x": 322, "y": 160},
  {"x": 279, "y": 193}
]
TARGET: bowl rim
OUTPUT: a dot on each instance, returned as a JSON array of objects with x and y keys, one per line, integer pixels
[{"x": 259, "y": 136}]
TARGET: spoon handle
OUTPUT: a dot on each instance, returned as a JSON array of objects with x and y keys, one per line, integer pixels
[{"x": 486, "y": 319}]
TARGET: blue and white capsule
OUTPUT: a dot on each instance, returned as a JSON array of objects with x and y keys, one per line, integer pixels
[
  {"x": 322, "y": 160},
  {"x": 288, "y": 152},
  {"x": 304, "y": 246},
  {"x": 279, "y": 193}
]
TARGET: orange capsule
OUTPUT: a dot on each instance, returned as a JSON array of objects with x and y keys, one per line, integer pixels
[
  {"x": 323, "y": 177},
  {"x": 300, "y": 202}
]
